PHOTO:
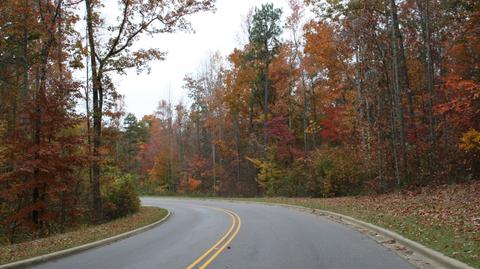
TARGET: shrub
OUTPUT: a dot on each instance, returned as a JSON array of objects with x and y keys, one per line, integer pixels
[
  {"x": 120, "y": 197},
  {"x": 297, "y": 180},
  {"x": 269, "y": 175},
  {"x": 338, "y": 171},
  {"x": 470, "y": 143}
]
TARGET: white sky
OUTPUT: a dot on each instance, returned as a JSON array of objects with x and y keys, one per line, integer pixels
[{"x": 217, "y": 31}]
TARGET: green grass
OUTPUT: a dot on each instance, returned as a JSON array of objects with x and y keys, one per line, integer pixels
[
  {"x": 81, "y": 236},
  {"x": 463, "y": 246}
]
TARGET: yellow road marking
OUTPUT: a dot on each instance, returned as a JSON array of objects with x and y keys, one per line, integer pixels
[
  {"x": 214, "y": 256},
  {"x": 234, "y": 218}
]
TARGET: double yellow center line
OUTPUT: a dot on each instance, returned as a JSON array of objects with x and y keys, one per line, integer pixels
[{"x": 212, "y": 253}]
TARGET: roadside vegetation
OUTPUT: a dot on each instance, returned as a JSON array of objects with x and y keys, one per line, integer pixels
[{"x": 80, "y": 235}]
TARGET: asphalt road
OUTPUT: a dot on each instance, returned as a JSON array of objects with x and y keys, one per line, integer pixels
[{"x": 248, "y": 236}]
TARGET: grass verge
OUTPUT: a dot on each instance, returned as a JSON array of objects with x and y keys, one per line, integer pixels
[
  {"x": 80, "y": 236},
  {"x": 444, "y": 218}
]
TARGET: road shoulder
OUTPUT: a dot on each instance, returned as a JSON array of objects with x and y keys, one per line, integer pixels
[
  {"x": 98, "y": 236},
  {"x": 415, "y": 253}
]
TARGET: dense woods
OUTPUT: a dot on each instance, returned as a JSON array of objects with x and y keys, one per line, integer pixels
[
  {"x": 329, "y": 98},
  {"x": 59, "y": 165},
  {"x": 365, "y": 96}
]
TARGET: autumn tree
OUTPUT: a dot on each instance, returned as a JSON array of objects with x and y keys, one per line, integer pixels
[
  {"x": 264, "y": 36},
  {"x": 116, "y": 54},
  {"x": 42, "y": 149},
  {"x": 373, "y": 92}
]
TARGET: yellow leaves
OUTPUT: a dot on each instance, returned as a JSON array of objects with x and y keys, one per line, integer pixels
[
  {"x": 313, "y": 127},
  {"x": 470, "y": 141},
  {"x": 256, "y": 162},
  {"x": 269, "y": 174}
]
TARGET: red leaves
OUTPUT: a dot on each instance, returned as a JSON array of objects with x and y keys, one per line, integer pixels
[
  {"x": 277, "y": 128},
  {"x": 329, "y": 126}
]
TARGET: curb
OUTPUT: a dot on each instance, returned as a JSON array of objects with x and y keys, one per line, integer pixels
[
  {"x": 437, "y": 259},
  {"x": 74, "y": 250}
]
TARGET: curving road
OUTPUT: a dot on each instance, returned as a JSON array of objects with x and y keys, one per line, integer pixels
[{"x": 220, "y": 234}]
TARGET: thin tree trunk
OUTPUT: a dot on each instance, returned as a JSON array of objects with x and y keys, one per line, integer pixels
[
  {"x": 425, "y": 11},
  {"x": 379, "y": 139},
  {"x": 360, "y": 97},
  {"x": 265, "y": 110},
  {"x": 197, "y": 125},
  {"x": 237, "y": 143},
  {"x": 250, "y": 111},
  {"x": 397, "y": 87},
  {"x": 304, "y": 115},
  {"x": 314, "y": 116},
  {"x": 25, "y": 55},
  {"x": 214, "y": 166}
]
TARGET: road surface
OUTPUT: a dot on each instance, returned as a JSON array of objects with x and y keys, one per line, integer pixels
[{"x": 221, "y": 234}]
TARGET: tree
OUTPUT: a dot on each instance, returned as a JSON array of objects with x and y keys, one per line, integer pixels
[
  {"x": 137, "y": 18},
  {"x": 264, "y": 35},
  {"x": 42, "y": 146}
]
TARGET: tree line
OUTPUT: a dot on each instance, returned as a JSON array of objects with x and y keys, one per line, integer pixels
[
  {"x": 367, "y": 96},
  {"x": 60, "y": 167},
  {"x": 360, "y": 96}
]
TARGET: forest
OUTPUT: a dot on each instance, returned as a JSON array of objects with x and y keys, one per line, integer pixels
[
  {"x": 367, "y": 97},
  {"x": 358, "y": 97}
]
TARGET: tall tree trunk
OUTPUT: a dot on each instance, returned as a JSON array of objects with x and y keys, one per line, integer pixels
[
  {"x": 393, "y": 128},
  {"x": 237, "y": 143},
  {"x": 405, "y": 87},
  {"x": 25, "y": 54},
  {"x": 379, "y": 138},
  {"x": 40, "y": 90},
  {"x": 214, "y": 164},
  {"x": 97, "y": 100},
  {"x": 197, "y": 126},
  {"x": 61, "y": 70},
  {"x": 313, "y": 107},
  {"x": 405, "y": 80},
  {"x": 425, "y": 14},
  {"x": 265, "y": 109},
  {"x": 40, "y": 188},
  {"x": 304, "y": 115},
  {"x": 250, "y": 110},
  {"x": 397, "y": 87},
  {"x": 87, "y": 108},
  {"x": 360, "y": 90}
]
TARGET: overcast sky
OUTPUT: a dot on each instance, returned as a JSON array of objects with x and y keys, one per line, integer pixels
[{"x": 219, "y": 31}]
